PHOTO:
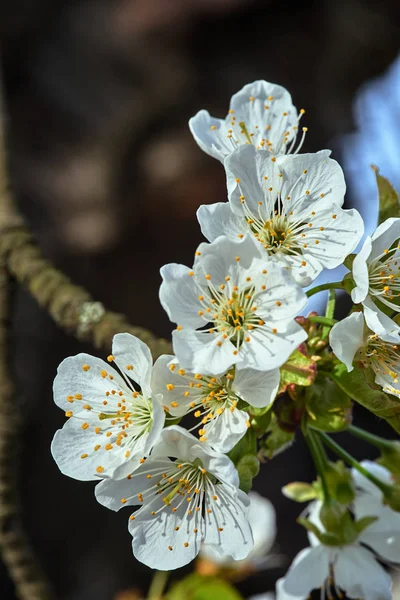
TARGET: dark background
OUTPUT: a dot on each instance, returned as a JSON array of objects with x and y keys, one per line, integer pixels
[{"x": 98, "y": 97}]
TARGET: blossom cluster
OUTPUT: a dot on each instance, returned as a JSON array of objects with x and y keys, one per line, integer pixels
[{"x": 240, "y": 341}]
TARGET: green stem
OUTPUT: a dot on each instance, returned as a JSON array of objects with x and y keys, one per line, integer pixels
[
  {"x": 334, "y": 285},
  {"x": 158, "y": 584},
  {"x": 319, "y": 458},
  {"x": 370, "y": 437},
  {"x": 323, "y": 320},
  {"x": 329, "y": 312},
  {"x": 344, "y": 455}
]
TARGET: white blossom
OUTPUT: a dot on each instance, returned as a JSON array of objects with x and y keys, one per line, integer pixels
[
  {"x": 353, "y": 568},
  {"x": 214, "y": 399},
  {"x": 372, "y": 338},
  {"x": 111, "y": 425},
  {"x": 291, "y": 208},
  {"x": 233, "y": 307},
  {"x": 261, "y": 113},
  {"x": 188, "y": 495},
  {"x": 376, "y": 268},
  {"x": 262, "y": 520}
]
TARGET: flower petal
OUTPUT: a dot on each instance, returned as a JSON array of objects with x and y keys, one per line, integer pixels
[
  {"x": 257, "y": 388},
  {"x": 365, "y": 484},
  {"x": 317, "y": 174},
  {"x": 227, "y": 528},
  {"x": 308, "y": 571},
  {"x": 218, "y": 219},
  {"x": 202, "y": 352},
  {"x": 179, "y": 296},
  {"x": 346, "y": 337},
  {"x": 380, "y": 323},
  {"x": 262, "y": 519},
  {"x": 358, "y": 573},
  {"x": 383, "y": 536},
  {"x": 360, "y": 272},
  {"x": 211, "y": 134},
  {"x": 88, "y": 378},
  {"x": 224, "y": 431},
  {"x": 384, "y": 237},
  {"x": 166, "y": 540},
  {"x": 133, "y": 357}
]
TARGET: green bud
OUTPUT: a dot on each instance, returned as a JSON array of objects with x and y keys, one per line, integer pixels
[
  {"x": 300, "y": 491},
  {"x": 348, "y": 261},
  {"x": 340, "y": 482},
  {"x": 331, "y": 514},
  {"x": 348, "y": 283},
  {"x": 392, "y": 497},
  {"x": 248, "y": 467}
]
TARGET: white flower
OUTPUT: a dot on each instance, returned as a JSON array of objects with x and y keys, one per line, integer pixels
[
  {"x": 234, "y": 307},
  {"x": 261, "y": 113},
  {"x": 188, "y": 495},
  {"x": 262, "y": 520},
  {"x": 291, "y": 207},
  {"x": 214, "y": 399},
  {"x": 376, "y": 268},
  {"x": 112, "y": 426},
  {"x": 383, "y": 536},
  {"x": 353, "y": 568},
  {"x": 375, "y": 338}
]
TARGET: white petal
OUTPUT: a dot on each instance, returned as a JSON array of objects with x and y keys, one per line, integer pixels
[
  {"x": 365, "y": 484},
  {"x": 308, "y": 571},
  {"x": 212, "y": 141},
  {"x": 315, "y": 173},
  {"x": 346, "y": 337},
  {"x": 268, "y": 350},
  {"x": 72, "y": 442},
  {"x": 359, "y": 575},
  {"x": 380, "y": 323},
  {"x": 282, "y": 595},
  {"x": 257, "y": 388},
  {"x": 262, "y": 104},
  {"x": 360, "y": 272},
  {"x": 229, "y": 513},
  {"x": 383, "y": 536},
  {"x": 283, "y": 299},
  {"x": 304, "y": 270},
  {"x": 218, "y": 219},
  {"x": 262, "y": 519},
  {"x": 245, "y": 169},
  {"x": 384, "y": 237},
  {"x": 129, "y": 351},
  {"x": 199, "y": 352},
  {"x": 110, "y": 492},
  {"x": 88, "y": 382},
  {"x": 163, "y": 376},
  {"x": 153, "y": 535},
  {"x": 179, "y": 296},
  {"x": 224, "y": 431}
]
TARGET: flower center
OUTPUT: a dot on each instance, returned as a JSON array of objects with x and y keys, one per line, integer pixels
[{"x": 384, "y": 358}]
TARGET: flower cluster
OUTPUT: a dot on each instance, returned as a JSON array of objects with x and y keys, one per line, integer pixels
[{"x": 181, "y": 439}]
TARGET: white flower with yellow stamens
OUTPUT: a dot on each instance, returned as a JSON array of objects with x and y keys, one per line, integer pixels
[
  {"x": 373, "y": 339},
  {"x": 376, "y": 268},
  {"x": 261, "y": 113},
  {"x": 290, "y": 206},
  {"x": 188, "y": 495},
  {"x": 213, "y": 399},
  {"x": 233, "y": 307},
  {"x": 112, "y": 425}
]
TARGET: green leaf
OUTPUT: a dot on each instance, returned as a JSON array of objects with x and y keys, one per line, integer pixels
[
  {"x": 376, "y": 401},
  {"x": 328, "y": 407},
  {"x": 197, "y": 587},
  {"x": 299, "y": 491},
  {"x": 388, "y": 197},
  {"x": 300, "y": 369},
  {"x": 277, "y": 441}
]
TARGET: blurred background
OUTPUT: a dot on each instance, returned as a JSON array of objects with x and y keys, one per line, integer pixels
[{"x": 104, "y": 168}]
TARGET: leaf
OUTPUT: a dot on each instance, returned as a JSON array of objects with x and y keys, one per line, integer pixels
[
  {"x": 376, "y": 401},
  {"x": 328, "y": 407},
  {"x": 300, "y": 369},
  {"x": 388, "y": 198},
  {"x": 277, "y": 441},
  {"x": 197, "y": 587}
]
